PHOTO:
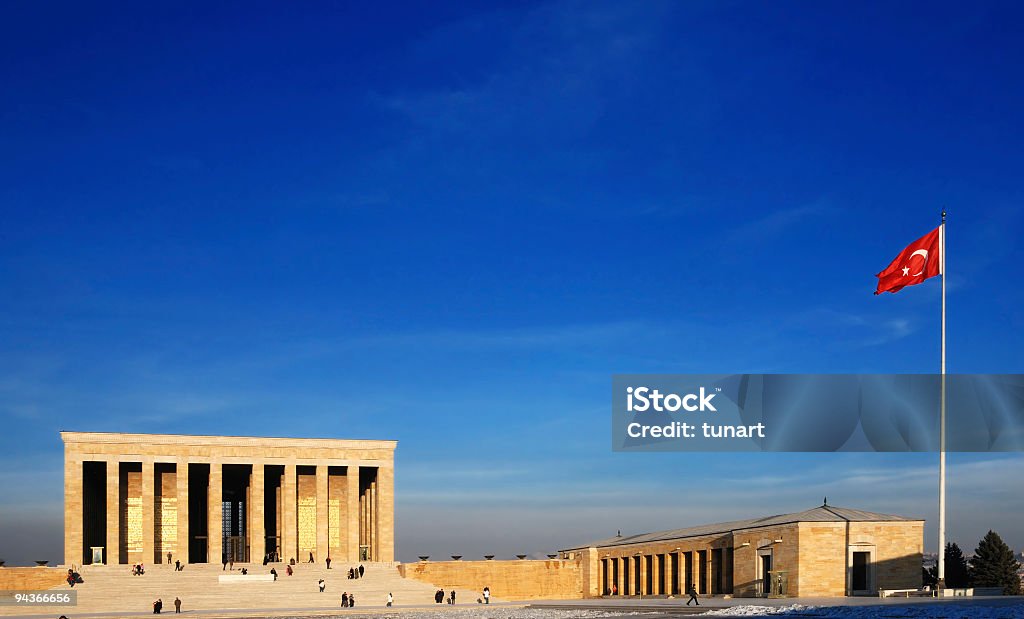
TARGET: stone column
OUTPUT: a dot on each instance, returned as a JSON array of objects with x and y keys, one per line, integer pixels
[
  {"x": 620, "y": 576},
  {"x": 113, "y": 543},
  {"x": 256, "y": 513},
  {"x": 181, "y": 479},
  {"x": 322, "y": 515},
  {"x": 74, "y": 550},
  {"x": 680, "y": 573},
  {"x": 352, "y": 513},
  {"x": 372, "y": 519},
  {"x": 289, "y": 519},
  {"x": 148, "y": 512},
  {"x": 711, "y": 581},
  {"x": 386, "y": 514},
  {"x": 215, "y": 515},
  {"x": 643, "y": 575}
]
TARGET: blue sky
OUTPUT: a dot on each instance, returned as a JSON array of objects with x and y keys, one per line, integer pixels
[{"x": 449, "y": 225}]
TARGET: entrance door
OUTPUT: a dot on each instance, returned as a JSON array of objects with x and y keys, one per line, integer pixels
[
  {"x": 859, "y": 578},
  {"x": 766, "y": 575},
  {"x": 234, "y": 549}
]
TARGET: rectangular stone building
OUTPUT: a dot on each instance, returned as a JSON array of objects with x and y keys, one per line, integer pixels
[
  {"x": 826, "y": 551},
  {"x": 135, "y": 498}
]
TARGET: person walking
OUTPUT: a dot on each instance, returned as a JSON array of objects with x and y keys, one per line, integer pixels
[
  {"x": 273, "y": 572},
  {"x": 322, "y": 585},
  {"x": 177, "y": 565},
  {"x": 352, "y": 600},
  {"x": 692, "y": 592},
  {"x": 328, "y": 563},
  {"x": 311, "y": 558},
  {"x": 487, "y": 595},
  {"x": 177, "y": 605},
  {"x": 344, "y": 599},
  {"x": 391, "y": 599},
  {"x": 360, "y": 570},
  {"x": 168, "y": 558},
  {"x": 451, "y": 600}
]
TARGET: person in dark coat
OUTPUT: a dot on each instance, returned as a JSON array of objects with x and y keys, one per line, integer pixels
[
  {"x": 352, "y": 600},
  {"x": 177, "y": 605},
  {"x": 344, "y": 600},
  {"x": 328, "y": 563},
  {"x": 360, "y": 570},
  {"x": 692, "y": 592}
]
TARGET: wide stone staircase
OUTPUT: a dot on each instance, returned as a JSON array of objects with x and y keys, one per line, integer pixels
[{"x": 113, "y": 588}]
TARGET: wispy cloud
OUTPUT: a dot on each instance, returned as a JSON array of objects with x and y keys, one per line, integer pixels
[{"x": 771, "y": 226}]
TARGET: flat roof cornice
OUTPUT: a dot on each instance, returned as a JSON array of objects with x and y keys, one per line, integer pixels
[{"x": 118, "y": 438}]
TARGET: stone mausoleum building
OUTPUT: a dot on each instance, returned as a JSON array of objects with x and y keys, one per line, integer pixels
[
  {"x": 135, "y": 498},
  {"x": 825, "y": 551}
]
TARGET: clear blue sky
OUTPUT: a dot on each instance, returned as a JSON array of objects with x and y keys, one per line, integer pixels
[{"x": 449, "y": 225}]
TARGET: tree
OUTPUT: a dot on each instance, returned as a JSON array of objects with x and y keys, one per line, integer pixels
[
  {"x": 994, "y": 565},
  {"x": 957, "y": 575}
]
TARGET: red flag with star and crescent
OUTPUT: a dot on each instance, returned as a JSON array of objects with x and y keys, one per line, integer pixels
[{"x": 919, "y": 261}]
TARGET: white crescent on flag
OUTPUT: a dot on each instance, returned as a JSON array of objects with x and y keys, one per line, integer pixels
[{"x": 924, "y": 254}]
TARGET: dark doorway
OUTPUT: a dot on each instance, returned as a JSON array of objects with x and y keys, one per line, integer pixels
[
  {"x": 716, "y": 571},
  {"x": 235, "y": 512},
  {"x": 94, "y": 508},
  {"x": 860, "y": 571},
  {"x": 198, "y": 531},
  {"x": 272, "y": 506},
  {"x": 674, "y": 573},
  {"x": 687, "y": 571},
  {"x": 766, "y": 576},
  {"x": 649, "y": 585}
]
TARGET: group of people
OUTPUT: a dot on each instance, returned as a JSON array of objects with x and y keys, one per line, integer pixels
[
  {"x": 138, "y": 569},
  {"x": 355, "y": 572},
  {"x": 439, "y": 597},
  {"x": 158, "y": 605},
  {"x": 348, "y": 600},
  {"x": 73, "y": 578}
]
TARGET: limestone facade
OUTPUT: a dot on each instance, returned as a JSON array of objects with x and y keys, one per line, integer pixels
[
  {"x": 135, "y": 498},
  {"x": 508, "y": 580},
  {"x": 825, "y": 551}
]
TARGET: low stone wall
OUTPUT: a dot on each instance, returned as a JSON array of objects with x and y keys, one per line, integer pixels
[
  {"x": 31, "y": 578},
  {"x": 508, "y": 580}
]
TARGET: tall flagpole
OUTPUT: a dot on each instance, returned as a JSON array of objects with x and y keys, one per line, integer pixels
[{"x": 942, "y": 412}]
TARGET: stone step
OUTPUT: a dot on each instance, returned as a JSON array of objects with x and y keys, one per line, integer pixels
[{"x": 113, "y": 588}]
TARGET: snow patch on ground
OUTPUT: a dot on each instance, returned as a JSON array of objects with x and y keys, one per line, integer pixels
[{"x": 930, "y": 611}]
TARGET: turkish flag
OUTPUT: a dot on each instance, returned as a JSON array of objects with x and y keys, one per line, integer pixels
[{"x": 919, "y": 261}]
